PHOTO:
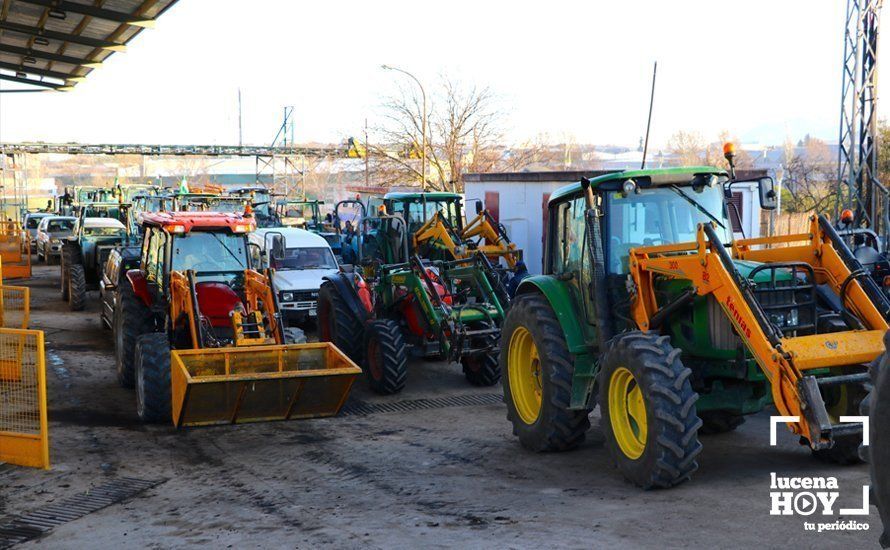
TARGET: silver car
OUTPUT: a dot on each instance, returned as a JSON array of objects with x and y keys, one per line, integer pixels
[
  {"x": 30, "y": 223},
  {"x": 50, "y": 233}
]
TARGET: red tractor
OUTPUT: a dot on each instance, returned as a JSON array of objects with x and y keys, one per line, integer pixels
[{"x": 232, "y": 360}]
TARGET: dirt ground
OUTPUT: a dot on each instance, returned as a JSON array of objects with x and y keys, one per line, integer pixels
[{"x": 439, "y": 476}]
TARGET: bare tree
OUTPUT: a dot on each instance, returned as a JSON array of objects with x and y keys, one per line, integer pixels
[
  {"x": 465, "y": 134},
  {"x": 691, "y": 149},
  {"x": 809, "y": 177}
]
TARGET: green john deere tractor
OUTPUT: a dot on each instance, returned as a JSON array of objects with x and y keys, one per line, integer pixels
[
  {"x": 387, "y": 235},
  {"x": 644, "y": 310}
]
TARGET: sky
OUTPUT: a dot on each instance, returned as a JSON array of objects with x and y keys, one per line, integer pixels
[{"x": 761, "y": 70}]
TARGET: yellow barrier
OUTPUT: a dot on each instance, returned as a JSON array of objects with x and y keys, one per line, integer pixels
[
  {"x": 15, "y": 253},
  {"x": 15, "y": 306},
  {"x": 24, "y": 439}
]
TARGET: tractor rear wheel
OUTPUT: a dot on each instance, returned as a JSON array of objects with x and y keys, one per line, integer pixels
[
  {"x": 718, "y": 422},
  {"x": 481, "y": 369},
  {"x": 153, "y": 377},
  {"x": 131, "y": 320},
  {"x": 537, "y": 369},
  {"x": 648, "y": 410},
  {"x": 336, "y": 324},
  {"x": 386, "y": 357},
  {"x": 77, "y": 287},
  {"x": 877, "y": 406}
]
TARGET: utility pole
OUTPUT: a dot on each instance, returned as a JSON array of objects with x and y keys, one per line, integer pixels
[
  {"x": 367, "y": 150},
  {"x": 240, "y": 135}
]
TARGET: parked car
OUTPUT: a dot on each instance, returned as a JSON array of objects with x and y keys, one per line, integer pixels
[
  {"x": 50, "y": 232},
  {"x": 30, "y": 223},
  {"x": 301, "y": 260},
  {"x": 120, "y": 260}
]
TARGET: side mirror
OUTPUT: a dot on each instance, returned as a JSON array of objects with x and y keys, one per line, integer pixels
[
  {"x": 478, "y": 207},
  {"x": 768, "y": 197}
]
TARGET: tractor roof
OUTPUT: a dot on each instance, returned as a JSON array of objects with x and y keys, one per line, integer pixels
[
  {"x": 433, "y": 196},
  {"x": 183, "y": 222},
  {"x": 103, "y": 222},
  {"x": 658, "y": 176}
]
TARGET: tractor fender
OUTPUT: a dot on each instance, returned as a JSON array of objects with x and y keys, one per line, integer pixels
[
  {"x": 140, "y": 285},
  {"x": 347, "y": 290},
  {"x": 580, "y": 337},
  {"x": 564, "y": 305}
]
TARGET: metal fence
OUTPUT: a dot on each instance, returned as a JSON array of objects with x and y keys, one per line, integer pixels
[
  {"x": 23, "y": 421},
  {"x": 15, "y": 306}
]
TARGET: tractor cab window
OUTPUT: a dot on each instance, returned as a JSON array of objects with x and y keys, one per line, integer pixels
[
  {"x": 661, "y": 215},
  {"x": 155, "y": 247},
  {"x": 209, "y": 252},
  {"x": 417, "y": 212},
  {"x": 568, "y": 238}
]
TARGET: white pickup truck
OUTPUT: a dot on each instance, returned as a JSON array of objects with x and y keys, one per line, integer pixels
[{"x": 300, "y": 259}]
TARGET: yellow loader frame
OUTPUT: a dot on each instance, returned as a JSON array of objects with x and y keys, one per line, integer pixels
[{"x": 784, "y": 360}]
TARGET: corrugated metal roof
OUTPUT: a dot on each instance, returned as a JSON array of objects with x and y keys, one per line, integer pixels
[{"x": 54, "y": 44}]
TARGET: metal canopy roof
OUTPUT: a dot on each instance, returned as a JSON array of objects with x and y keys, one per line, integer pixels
[{"x": 54, "y": 44}]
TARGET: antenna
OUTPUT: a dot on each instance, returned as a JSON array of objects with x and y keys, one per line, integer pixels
[{"x": 649, "y": 122}]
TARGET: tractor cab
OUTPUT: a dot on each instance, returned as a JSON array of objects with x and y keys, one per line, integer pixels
[
  {"x": 390, "y": 238},
  {"x": 303, "y": 214},
  {"x": 262, "y": 202}
]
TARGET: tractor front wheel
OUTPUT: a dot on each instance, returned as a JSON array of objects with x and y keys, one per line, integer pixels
[
  {"x": 481, "y": 369},
  {"x": 386, "y": 357},
  {"x": 131, "y": 320},
  {"x": 648, "y": 410},
  {"x": 77, "y": 287},
  {"x": 153, "y": 378},
  {"x": 336, "y": 324},
  {"x": 537, "y": 369}
]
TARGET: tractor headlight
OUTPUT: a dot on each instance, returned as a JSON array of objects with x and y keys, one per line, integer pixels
[
  {"x": 628, "y": 187},
  {"x": 287, "y": 296},
  {"x": 792, "y": 317},
  {"x": 55, "y": 241}
]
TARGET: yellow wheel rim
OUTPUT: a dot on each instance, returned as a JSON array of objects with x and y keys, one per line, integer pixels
[
  {"x": 526, "y": 380},
  {"x": 627, "y": 412}
]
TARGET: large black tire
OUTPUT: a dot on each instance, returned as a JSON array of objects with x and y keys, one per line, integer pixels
[
  {"x": 662, "y": 452},
  {"x": 877, "y": 407},
  {"x": 718, "y": 422},
  {"x": 386, "y": 357},
  {"x": 153, "y": 391},
  {"x": 132, "y": 319},
  {"x": 337, "y": 324},
  {"x": 555, "y": 427},
  {"x": 77, "y": 287},
  {"x": 481, "y": 369}
]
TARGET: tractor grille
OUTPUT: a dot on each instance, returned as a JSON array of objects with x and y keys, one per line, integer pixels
[{"x": 723, "y": 336}]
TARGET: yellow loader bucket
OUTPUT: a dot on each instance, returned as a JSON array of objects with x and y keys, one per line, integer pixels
[{"x": 257, "y": 383}]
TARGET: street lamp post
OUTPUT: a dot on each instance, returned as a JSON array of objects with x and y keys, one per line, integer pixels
[{"x": 422, "y": 123}]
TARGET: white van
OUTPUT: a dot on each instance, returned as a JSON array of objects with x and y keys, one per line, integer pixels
[{"x": 300, "y": 259}]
